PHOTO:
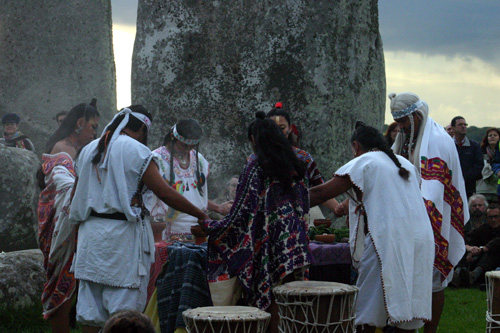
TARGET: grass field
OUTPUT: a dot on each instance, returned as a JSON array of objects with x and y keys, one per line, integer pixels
[{"x": 464, "y": 312}]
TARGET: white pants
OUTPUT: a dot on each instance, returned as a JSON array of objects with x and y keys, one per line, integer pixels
[{"x": 97, "y": 302}]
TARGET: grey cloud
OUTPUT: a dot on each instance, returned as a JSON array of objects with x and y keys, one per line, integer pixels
[{"x": 444, "y": 27}]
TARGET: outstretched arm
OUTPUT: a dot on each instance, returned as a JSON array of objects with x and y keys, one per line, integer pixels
[
  {"x": 332, "y": 188},
  {"x": 222, "y": 209},
  {"x": 168, "y": 195}
]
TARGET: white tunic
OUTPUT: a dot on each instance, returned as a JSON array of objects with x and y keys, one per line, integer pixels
[
  {"x": 402, "y": 237},
  {"x": 112, "y": 252}
]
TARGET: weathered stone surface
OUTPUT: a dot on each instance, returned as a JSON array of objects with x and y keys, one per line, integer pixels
[
  {"x": 21, "y": 278},
  {"x": 54, "y": 55},
  {"x": 18, "y": 199},
  {"x": 219, "y": 62}
]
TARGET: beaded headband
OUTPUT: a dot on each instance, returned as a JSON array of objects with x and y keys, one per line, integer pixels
[
  {"x": 183, "y": 139},
  {"x": 408, "y": 110}
]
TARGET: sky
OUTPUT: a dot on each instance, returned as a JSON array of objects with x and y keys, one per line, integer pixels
[{"x": 447, "y": 52}]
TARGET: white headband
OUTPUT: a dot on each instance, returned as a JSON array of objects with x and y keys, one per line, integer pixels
[{"x": 127, "y": 112}]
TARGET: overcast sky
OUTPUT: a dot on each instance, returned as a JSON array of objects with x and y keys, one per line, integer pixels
[{"x": 446, "y": 51}]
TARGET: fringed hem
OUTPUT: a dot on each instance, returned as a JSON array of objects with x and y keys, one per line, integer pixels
[
  {"x": 107, "y": 284},
  {"x": 46, "y": 314}
]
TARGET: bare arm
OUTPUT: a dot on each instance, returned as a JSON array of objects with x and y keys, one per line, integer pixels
[
  {"x": 222, "y": 209},
  {"x": 331, "y": 204},
  {"x": 330, "y": 189},
  {"x": 168, "y": 195}
]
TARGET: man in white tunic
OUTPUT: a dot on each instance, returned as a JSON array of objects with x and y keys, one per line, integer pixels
[
  {"x": 432, "y": 151},
  {"x": 390, "y": 235},
  {"x": 115, "y": 242}
]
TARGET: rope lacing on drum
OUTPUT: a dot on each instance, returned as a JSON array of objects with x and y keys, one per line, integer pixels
[{"x": 307, "y": 308}]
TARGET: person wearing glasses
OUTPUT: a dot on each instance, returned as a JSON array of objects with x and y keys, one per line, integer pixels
[
  {"x": 469, "y": 153},
  {"x": 482, "y": 250}
]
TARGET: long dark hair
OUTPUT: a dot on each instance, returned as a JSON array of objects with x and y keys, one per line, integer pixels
[
  {"x": 69, "y": 124},
  {"x": 190, "y": 129},
  {"x": 370, "y": 138},
  {"x": 133, "y": 124},
  {"x": 67, "y": 127},
  {"x": 275, "y": 154}
]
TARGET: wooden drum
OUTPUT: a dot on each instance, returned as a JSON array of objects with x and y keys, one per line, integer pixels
[
  {"x": 316, "y": 306},
  {"x": 493, "y": 301},
  {"x": 226, "y": 319}
]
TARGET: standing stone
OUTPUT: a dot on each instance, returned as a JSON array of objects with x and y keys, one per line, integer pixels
[
  {"x": 54, "y": 54},
  {"x": 219, "y": 62},
  {"x": 18, "y": 199},
  {"x": 21, "y": 278}
]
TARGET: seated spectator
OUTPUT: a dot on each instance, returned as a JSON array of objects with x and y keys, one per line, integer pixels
[
  {"x": 60, "y": 117},
  {"x": 477, "y": 210},
  {"x": 482, "y": 247},
  {"x": 12, "y": 137},
  {"x": 129, "y": 321},
  {"x": 391, "y": 133}
]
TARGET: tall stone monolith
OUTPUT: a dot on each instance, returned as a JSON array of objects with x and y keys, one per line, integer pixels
[
  {"x": 219, "y": 62},
  {"x": 55, "y": 54},
  {"x": 18, "y": 199}
]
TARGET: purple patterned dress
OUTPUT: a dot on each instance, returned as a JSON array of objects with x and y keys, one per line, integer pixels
[{"x": 263, "y": 238}]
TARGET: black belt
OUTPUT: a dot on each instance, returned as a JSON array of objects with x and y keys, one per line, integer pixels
[{"x": 113, "y": 216}]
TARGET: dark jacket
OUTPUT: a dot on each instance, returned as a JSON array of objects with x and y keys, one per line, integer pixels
[{"x": 471, "y": 162}]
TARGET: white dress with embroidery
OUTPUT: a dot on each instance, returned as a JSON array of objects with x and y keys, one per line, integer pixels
[{"x": 185, "y": 183}]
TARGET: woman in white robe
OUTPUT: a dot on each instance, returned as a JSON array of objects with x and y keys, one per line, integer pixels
[{"x": 390, "y": 235}]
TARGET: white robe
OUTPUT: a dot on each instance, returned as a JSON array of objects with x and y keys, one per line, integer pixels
[
  {"x": 437, "y": 143},
  {"x": 397, "y": 222}
]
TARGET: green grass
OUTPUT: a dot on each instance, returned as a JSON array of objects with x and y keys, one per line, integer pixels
[
  {"x": 28, "y": 320},
  {"x": 464, "y": 311}
]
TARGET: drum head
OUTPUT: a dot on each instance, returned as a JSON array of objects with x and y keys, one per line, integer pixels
[
  {"x": 312, "y": 288},
  {"x": 493, "y": 274},
  {"x": 223, "y": 313}
]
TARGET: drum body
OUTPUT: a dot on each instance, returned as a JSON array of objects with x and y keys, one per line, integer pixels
[
  {"x": 316, "y": 306},
  {"x": 493, "y": 301},
  {"x": 226, "y": 319}
]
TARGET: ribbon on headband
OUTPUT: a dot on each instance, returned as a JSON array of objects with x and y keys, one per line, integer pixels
[
  {"x": 183, "y": 139},
  {"x": 127, "y": 113},
  {"x": 412, "y": 108}
]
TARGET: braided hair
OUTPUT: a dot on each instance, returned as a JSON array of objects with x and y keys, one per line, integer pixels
[
  {"x": 133, "y": 124},
  {"x": 190, "y": 129},
  {"x": 369, "y": 138},
  {"x": 275, "y": 154}
]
